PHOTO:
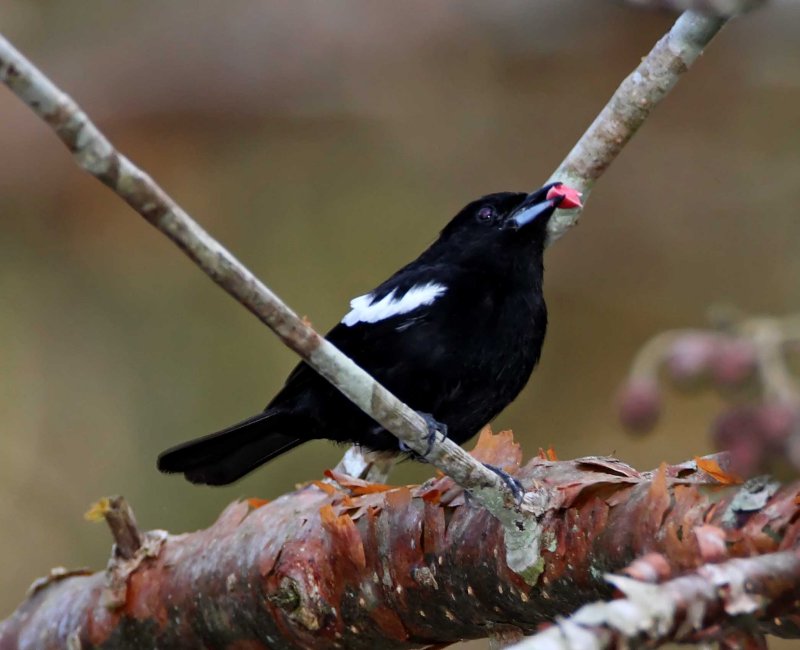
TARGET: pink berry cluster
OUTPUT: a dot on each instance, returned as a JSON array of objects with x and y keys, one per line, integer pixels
[{"x": 749, "y": 366}]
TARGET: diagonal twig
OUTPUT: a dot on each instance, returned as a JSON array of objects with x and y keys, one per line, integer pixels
[
  {"x": 594, "y": 152},
  {"x": 629, "y": 106},
  {"x": 95, "y": 154}
]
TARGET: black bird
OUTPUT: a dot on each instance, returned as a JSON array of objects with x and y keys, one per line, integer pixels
[{"x": 454, "y": 334}]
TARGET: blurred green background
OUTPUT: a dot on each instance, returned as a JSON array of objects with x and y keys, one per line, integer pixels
[{"x": 325, "y": 144}]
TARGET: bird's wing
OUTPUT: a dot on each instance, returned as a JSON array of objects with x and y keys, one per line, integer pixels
[
  {"x": 404, "y": 296},
  {"x": 384, "y": 328}
]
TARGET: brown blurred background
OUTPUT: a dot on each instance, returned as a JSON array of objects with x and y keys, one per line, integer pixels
[{"x": 325, "y": 144}]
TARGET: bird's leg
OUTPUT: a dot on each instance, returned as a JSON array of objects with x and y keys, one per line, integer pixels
[
  {"x": 513, "y": 484},
  {"x": 433, "y": 426}
]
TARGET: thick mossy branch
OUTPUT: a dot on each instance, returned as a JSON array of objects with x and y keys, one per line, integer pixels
[{"x": 359, "y": 565}]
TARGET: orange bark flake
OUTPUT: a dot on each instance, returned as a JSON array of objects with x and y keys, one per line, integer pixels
[
  {"x": 432, "y": 496},
  {"x": 254, "y": 503},
  {"x": 499, "y": 449},
  {"x": 442, "y": 491},
  {"x": 712, "y": 468},
  {"x": 658, "y": 488},
  {"x": 327, "y": 488},
  {"x": 344, "y": 535},
  {"x": 549, "y": 454},
  {"x": 372, "y": 488}
]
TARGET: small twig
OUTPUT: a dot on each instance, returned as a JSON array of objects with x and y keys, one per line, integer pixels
[
  {"x": 675, "y": 610},
  {"x": 119, "y": 516},
  {"x": 630, "y": 106}
]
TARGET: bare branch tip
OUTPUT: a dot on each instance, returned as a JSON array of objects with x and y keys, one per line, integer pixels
[{"x": 118, "y": 514}]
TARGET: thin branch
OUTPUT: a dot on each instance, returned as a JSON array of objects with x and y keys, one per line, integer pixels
[
  {"x": 355, "y": 565},
  {"x": 96, "y": 155},
  {"x": 713, "y": 596},
  {"x": 590, "y": 157},
  {"x": 630, "y": 106}
]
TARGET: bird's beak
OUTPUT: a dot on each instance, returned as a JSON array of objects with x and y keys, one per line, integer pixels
[
  {"x": 534, "y": 205},
  {"x": 527, "y": 213},
  {"x": 544, "y": 201}
]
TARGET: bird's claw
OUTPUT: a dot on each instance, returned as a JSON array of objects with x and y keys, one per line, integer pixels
[
  {"x": 513, "y": 484},
  {"x": 433, "y": 426}
]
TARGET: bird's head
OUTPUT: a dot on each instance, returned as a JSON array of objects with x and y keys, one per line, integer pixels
[{"x": 506, "y": 223}]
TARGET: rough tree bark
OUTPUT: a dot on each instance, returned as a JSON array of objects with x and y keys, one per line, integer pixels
[{"x": 358, "y": 565}]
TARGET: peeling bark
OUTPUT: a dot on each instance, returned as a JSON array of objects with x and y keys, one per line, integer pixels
[{"x": 359, "y": 565}]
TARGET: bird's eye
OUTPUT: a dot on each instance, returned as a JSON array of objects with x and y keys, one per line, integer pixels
[{"x": 485, "y": 214}]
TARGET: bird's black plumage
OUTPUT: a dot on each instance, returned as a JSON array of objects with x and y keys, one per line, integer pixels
[{"x": 455, "y": 334}]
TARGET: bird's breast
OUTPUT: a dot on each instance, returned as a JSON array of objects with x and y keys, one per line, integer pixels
[{"x": 501, "y": 334}]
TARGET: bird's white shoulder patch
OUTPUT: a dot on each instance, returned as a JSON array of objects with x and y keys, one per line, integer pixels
[{"x": 364, "y": 310}]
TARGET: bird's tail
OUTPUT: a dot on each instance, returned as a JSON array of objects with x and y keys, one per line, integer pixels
[{"x": 226, "y": 456}]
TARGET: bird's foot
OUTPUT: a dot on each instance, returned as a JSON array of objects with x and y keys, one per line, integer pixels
[
  {"x": 513, "y": 484},
  {"x": 433, "y": 426}
]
